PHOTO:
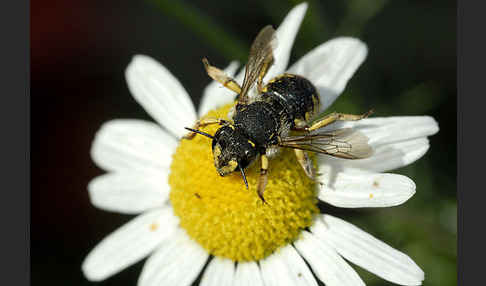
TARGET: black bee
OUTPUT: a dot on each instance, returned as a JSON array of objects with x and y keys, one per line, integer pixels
[{"x": 262, "y": 124}]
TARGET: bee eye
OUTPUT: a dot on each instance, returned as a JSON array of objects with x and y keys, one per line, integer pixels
[{"x": 247, "y": 152}]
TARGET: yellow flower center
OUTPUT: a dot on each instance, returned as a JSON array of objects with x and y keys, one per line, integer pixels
[{"x": 227, "y": 219}]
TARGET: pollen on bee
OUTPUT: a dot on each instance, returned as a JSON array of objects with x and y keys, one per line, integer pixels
[
  {"x": 371, "y": 196},
  {"x": 154, "y": 226}
]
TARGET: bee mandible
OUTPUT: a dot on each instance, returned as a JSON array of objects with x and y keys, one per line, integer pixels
[{"x": 268, "y": 121}]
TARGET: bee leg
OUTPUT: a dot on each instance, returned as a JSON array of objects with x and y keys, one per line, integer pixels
[
  {"x": 330, "y": 118},
  {"x": 305, "y": 162},
  {"x": 204, "y": 122},
  {"x": 262, "y": 180},
  {"x": 221, "y": 77}
]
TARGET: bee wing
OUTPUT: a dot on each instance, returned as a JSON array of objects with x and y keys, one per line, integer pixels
[
  {"x": 259, "y": 60},
  {"x": 344, "y": 143}
]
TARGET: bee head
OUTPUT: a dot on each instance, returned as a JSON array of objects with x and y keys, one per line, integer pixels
[{"x": 232, "y": 150}]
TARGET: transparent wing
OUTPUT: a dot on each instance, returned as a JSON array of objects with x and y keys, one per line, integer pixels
[
  {"x": 344, "y": 143},
  {"x": 259, "y": 60}
]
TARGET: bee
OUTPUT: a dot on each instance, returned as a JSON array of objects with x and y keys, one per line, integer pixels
[{"x": 277, "y": 117}]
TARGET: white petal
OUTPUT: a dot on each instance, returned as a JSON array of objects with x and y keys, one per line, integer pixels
[
  {"x": 220, "y": 272},
  {"x": 330, "y": 66},
  {"x": 286, "y": 267},
  {"x": 385, "y": 157},
  {"x": 178, "y": 261},
  {"x": 215, "y": 94},
  {"x": 362, "y": 189},
  {"x": 274, "y": 271},
  {"x": 397, "y": 141},
  {"x": 128, "y": 192},
  {"x": 127, "y": 145},
  {"x": 247, "y": 274},
  {"x": 367, "y": 252},
  {"x": 328, "y": 266},
  {"x": 387, "y": 130},
  {"x": 160, "y": 94},
  {"x": 129, "y": 244},
  {"x": 285, "y": 35}
]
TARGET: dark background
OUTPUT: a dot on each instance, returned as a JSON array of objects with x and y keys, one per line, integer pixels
[{"x": 79, "y": 50}]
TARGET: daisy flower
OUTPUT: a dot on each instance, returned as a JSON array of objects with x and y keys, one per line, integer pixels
[{"x": 192, "y": 221}]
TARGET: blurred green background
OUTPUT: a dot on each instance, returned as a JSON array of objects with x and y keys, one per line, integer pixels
[{"x": 79, "y": 50}]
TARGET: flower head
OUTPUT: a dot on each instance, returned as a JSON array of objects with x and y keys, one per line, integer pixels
[{"x": 189, "y": 212}]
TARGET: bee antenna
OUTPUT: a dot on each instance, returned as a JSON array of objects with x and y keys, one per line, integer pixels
[
  {"x": 244, "y": 177},
  {"x": 200, "y": 132}
]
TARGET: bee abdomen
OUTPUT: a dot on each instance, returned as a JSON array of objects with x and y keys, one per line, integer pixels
[{"x": 295, "y": 94}]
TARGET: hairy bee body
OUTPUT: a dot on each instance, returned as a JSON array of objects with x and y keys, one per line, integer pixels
[{"x": 287, "y": 101}]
